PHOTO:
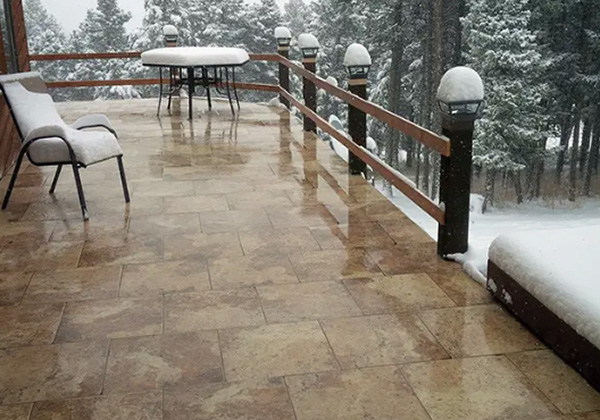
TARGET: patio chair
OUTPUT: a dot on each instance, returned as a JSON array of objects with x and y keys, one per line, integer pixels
[{"x": 48, "y": 141}]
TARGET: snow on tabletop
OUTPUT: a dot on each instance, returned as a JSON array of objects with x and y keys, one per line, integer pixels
[
  {"x": 308, "y": 41},
  {"x": 170, "y": 30},
  {"x": 195, "y": 56},
  {"x": 558, "y": 267},
  {"x": 460, "y": 84},
  {"x": 282, "y": 32},
  {"x": 357, "y": 55}
]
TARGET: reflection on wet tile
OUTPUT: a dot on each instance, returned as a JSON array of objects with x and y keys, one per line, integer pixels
[
  {"x": 25, "y": 232},
  {"x": 300, "y": 302},
  {"x": 461, "y": 288},
  {"x": 51, "y": 372},
  {"x": 332, "y": 264},
  {"x": 33, "y": 255},
  {"x": 212, "y": 310},
  {"x": 478, "y": 330},
  {"x": 164, "y": 224},
  {"x": 122, "y": 250},
  {"x": 306, "y": 216},
  {"x": 12, "y": 287},
  {"x": 146, "y": 406},
  {"x": 27, "y": 325},
  {"x": 371, "y": 393},
  {"x": 265, "y": 400},
  {"x": 15, "y": 412},
  {"x": 405, "y": 232},
  {"x": 98, "y": 227},
  {"x": 255, "y": 200},
  {"x": 233, "y": 221},
  {"x": 110, "y": 319},
  {"x": 381, "y": 340},
  {"x": 202, "y": 246},
  {"x": 255, "y": 269},
  {"x": 167, "y": 277},
  {"x": 562, "y": 385},
  {"x": 162, "y": 189},
  {"x": 195, "y": 204},
  {"x": 77, "y": 284},
  {"x": 274, "y": 240},
  {"x": 143, "y": 363},
  {"x": 482, "y": 388},
  {"x": 224, "y": 186},
  {"x": 275, "y": 350},
  {"x": 411, "y": 292},
  {"x": 357, "y": 235}
]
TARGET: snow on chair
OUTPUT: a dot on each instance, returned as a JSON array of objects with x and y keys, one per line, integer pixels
[{"x": 48, "y": 141}]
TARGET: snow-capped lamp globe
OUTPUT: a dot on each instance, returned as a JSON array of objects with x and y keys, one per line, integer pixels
[
  {"x": 284, "y": 38},
  {"x": 357, "y": 62},
  {"x": 461, "y": 93},
  {"x": 171, "y": 35},
  {"x": 309, "y": 45}
]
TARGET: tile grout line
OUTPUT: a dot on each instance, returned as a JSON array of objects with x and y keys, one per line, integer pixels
[
  {"x": 337, "y": 360},
  {"x": 262, "y": 309},
  {"x": 31, "y": 276},
  {"x": 450, "y": 357},
  {"x": 105, "y": 370},
  {"x": 345, "y": 286},
  {"x": 219, "y": 343},
  {"x": 62, "y": 315},
  {"x": 289, "y": 394},
  {"x": 401, "y": 369}
]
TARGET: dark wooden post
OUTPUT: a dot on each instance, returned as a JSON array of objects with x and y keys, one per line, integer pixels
[
  {"x": 455, "y": 187},
  {"x": 283, "y": 37},
  {"x": 357, "y": 125},
  {"x": 310, "y": 48}
]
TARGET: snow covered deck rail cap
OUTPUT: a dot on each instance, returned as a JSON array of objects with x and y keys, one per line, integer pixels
[
  {"x": 170, "y": 30},
  {"x": 195, "y": 57},
  {"x": 460, "y": 84},
  {"x": 357, "y": 55}
]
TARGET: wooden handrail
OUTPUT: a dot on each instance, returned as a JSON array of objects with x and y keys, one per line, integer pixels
[
  {"x": 263, "y": 87},
  {"x": 397, "y": 180},
  {"x": 428, "y": 138},
  {"x": 117, "y": 55}
]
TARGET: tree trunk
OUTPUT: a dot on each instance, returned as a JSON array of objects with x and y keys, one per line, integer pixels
[
  {"x": 516, "y": 177},
  {"x": 566, "y": 129},
  {"x": 488, "y": 198},
  {"x": 595, "y": 149},
  {"x": 574, "y": 154},
  {"x": 585, "y": 145}
]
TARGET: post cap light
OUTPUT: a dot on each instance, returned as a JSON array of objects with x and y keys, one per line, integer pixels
[
  {"x": 357, "y": 61},
  {"x": 283, "y": 36},
  {"x": 461, "y": 93},
  {"x": 171, "y": 34},
  {"x": 309, "y": 45}
]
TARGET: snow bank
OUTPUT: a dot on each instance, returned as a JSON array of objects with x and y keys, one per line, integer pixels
[
  {"x": 282, "y": 32},
  {"x": 195, "y": 57},
  {"x": 308, "y": 41},
  {"x": 357, "y": 55},
  {"x": 460, "y": 84},
  {"x": 558, "y": 267}
]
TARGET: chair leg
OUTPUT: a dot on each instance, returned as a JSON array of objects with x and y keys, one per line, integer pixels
[
  {"x": 123, "y": 179},
  {"x": 55, "y": 180},
  {"x": 229, "y": 90},
  {"x": 13, "y": 179},
  {"x": 237, "y": 99},
  {"x": 84, "y": 210},
  {"x": 160, "y": 91}
]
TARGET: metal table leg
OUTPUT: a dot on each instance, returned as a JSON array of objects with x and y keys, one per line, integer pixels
[
  {"x": 237, "y": 99},
  {"x": 191, "y": 86},
  {"x": 160, "y": 91},
  {"x": 228, "y": 90},
  {"x": 206, "y": 82}
]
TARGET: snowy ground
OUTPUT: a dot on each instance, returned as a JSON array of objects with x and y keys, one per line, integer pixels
[{"x": 487, "y": 227}]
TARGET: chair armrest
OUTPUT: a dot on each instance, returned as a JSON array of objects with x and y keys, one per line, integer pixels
[
  {"x": 93, "y": 121},
  {"x": 47, "y": 131}
]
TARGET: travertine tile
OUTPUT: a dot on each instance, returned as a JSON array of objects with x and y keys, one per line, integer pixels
[
  {"x": 332, "y": 264},
  {"x": 264, "y": 400},
  {"x": 381, "y": 340},
  {"x": 410, "y": 292},
  {"x": 202, "y": 246},
  {"x": 25, "y": 232},
  {"x": 478, "y": 331},
  {"x": 265, "y": 241},
  {"x": 460, "y": 287},
  {"x": 254, "y": 200},
  {"x": 12, "y": 287},
  {"x": 212, "y": 310},
  {"x": 195, "y": 204},
  {"x": 476, "y": 389},
  {"x": 110, "y": 319},
  {"x": 275, "y": 350},
  {"x": 143, "y": 363},
  {"x": 76, "y": 284},
  {"x": 305, "y": 216},
  {"x": 15, "y": 412},
  {"x": 252, "y": 270},
  {"x": 370, "y": 393},
  {"x": 224, "y": 186},
  {"x": 405, "y": 231},
  {"x": 162, "y": 189},
  {"x": 147, "y": 406},
  {"x": 234, "y": 221},
  {"x": 33, "y": 255},
  {"x": 27, "y": 325},
  {"x": 300, "y": 302},
  {"x": 164, "y": 224},
  {"x": 561, "y": 384},
  {"x": 166, "y": 277},
  {"x": 98, "y": 227},
  {"x": 356, "y": 235},
  {"x": 131, "y": 249},
  {"x": 51, "y": 372}
]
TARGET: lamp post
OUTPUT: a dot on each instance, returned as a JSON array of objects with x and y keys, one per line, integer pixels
[
  {"x": 171, "y": 35},
  {"x": 460, "y": 98},
  {"x": 358, "y": 63},
  {"x": 309, "y": 45},
  {"x": 284, "y": 39}
]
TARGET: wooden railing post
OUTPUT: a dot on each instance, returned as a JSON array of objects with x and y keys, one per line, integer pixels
[
  {"x": 310, "y": 48},
  {"x": 460, "y": 98},
  {"x": 284, "y": 38},
  {"x": 358, "y": 63}
]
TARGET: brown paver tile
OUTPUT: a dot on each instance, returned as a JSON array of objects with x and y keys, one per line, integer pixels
[
  {"x": 332, "y": 264},
  {"x": 51, "y": 372},
  {"x": 562, "y": 385},
  {"x": 355, "y": 235},
  {"x": 164, "y": 224},
  {"x": 223, "y": 186},
  {"x": 254, "y": 200},
  {"x": 405, "y": 231},
  {"x": 234, "y": 221},
  {"x": 275, "y": 350},
  {"x": 146, "y": 406},
  {"x": 306, "y": 301},
  {"x": 15, "y": 412},
  {"x": 27, "y": 325},
  {"x": 461, "y": 288},
  {"x": 195, "y": 204},
  {"x": 110, "y": 319},
  {"x": 202, "y": 246},
  {"x": 12, "y": 287},
  {"x": 212, "y": 310},
  {"x": 478, "y": 331},
  {"x": 410, "y": 292},
  {"x": 162, "y": 189},
  {"x": 167, "y": 277},
  {"x": 476, "y": 389},
  {"x": 143, "y": 363},
  {"x": 76, "y": 284},
  {"x": 266, "y": 400},
  {"x": 252, "y": 270},
  {"x": 305, "y": 216},
  {"x": 25, "y": 232},
  {"x": 277, "y": 240},
  {"x": 98, "y": 227},
  {"x": 33, "y": 255},
  {"x": 381, "y": 340},
  {"x": 370, "y": 393},
  {"x": 129, "y": 249}
]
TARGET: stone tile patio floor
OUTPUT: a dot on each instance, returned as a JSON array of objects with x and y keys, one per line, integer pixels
[{"x": 250, "y": 278}]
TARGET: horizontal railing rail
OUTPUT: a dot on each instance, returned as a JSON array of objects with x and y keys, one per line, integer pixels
[{"x": 121, "y": 55}]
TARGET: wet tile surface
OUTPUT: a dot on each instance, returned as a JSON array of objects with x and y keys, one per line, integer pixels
[{"x": 249, "y": 275}]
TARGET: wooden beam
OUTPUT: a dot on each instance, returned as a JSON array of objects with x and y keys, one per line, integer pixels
[
  {"x": 143, "y": 82},
  {"x": 84, "y": 56}
]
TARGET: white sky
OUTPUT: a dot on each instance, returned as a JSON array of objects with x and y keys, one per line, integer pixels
[{"x": 70, "y": 13}]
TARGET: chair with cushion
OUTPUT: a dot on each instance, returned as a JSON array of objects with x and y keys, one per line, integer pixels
[{"x": 48, "y": 141}]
